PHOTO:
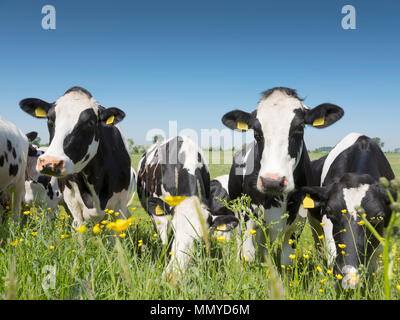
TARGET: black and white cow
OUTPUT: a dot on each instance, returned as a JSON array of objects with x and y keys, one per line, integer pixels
[
  {"x": 40, "y": 189},
  {"x": 223, "y": 219},
  {"x": 87, "y": 152},
  {"x": 173, "y": 186},
  {"x": 14, "y": 148},
  {"x": 270, "y": 168},
  {"x": 349, "y": 178}
]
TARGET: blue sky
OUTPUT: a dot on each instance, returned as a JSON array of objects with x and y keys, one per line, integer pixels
[{"x": 193, "y": 61}]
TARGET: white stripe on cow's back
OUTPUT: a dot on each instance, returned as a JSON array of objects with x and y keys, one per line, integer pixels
[{"x": 344, "y": 144}]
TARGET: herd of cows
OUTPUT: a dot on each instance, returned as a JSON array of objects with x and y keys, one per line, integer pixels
[{"x": 87, "y": 168}]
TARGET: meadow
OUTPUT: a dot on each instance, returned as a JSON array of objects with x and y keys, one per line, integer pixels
[{"x": 45, "y": 258}]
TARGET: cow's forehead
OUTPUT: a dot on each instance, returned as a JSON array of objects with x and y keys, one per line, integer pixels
[
  {"x": 76, "y": 102},
  {"x": 278, "y": 104}
]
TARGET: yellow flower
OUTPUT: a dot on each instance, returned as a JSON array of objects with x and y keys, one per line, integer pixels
[
  {"x": 319, "y": 269},
  {"x": 14, "y": 243},
  {"x": 81, "y": 229},
  {"x": 344, "y": 230},
  {"x": 339, "y": 276},
  {"x": 51, "y": 247},
  {"x": 116, "y": 214},
  {"x": 330, "y": 271},
  {"x": 96, "y": 229},
  {"x": 64, "y": 236},
  {"x": 322, "y": 224},
  {"x": 291, "y": 284},
  {"x": 252, "y": 231},
  {"x": 321, "y": 290},
  {"x": 343, "y": 252},
  {"x": 306, "y": 256},
  {"x": 398, "y": 287},
  {"x": 174, "y": 200},
  {"x": 21, "y": 240},
  {"x": 27, "y": 212},
  {"x": 170, "y": 253},
  {"x": 344, "y": 211},
  {"x": 361, "y": 223},
  {"x": 290, "y": 241},
  {"x": 321, "y": 237},
  {"x": 34, "y": 233},
  {"x": 122, "y": 235},
  {"x": 140, "y": 243},
  {"x": 292, "y": 256},
  {"x": 323, "y": 280},
  {"x": 341, "y": 245},
  {"x": 119, "y": 225},
  {"x": 283, "y": 266},
  {"x": 104, "y": 222},
  {"x": 246, "y": 259},
  {"x": 155, "y": 235},
  {"x": 221, "y": 238}
]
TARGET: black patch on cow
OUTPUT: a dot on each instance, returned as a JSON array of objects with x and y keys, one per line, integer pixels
[
  {"x": 14, "y": 153},
  {"x": 216, "y": 206},
  {"x": 296, "y": 133},
  {"x": 79, "y": 89},
  {"x": 1, "y": 161},
  {"x": 13, "y": 170},
  {"x": 9, "y": 145},
  {"x": 76, "y": 143}
]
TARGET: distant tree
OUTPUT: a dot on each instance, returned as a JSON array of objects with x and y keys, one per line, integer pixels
[
  {"x": 158, "y": 137},
  {"x": 379, "y": 142},
  {"x": 131, "y": 144},
  {"x": 36, "y": 141},
  {"x": 323, "y": 149},
  {"x": 397, "y": 150}
]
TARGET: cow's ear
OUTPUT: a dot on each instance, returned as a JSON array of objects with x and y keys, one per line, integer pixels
[
  {"x": 111, "y": 116},
  {"x": 224, "y": 223},
  {"x": 314, "y": 197},
  {"x": 31, "y": 136},
  {"x": 323, "y": 115},
  {"x": 238, "y": 120},
  {"x": 35, "y": 107}
]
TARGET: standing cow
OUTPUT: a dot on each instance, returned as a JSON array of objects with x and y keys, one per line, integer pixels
[
  {"x": 349, "y": 178},
  {"x": 87, "y": 152},
  {"x": 14, "y": 148},
  {"x": 173, "y": 187},
  {"x": 269, "y": 169}
]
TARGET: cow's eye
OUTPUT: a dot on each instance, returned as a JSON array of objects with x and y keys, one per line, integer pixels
[{"x": 91, "y": 122}]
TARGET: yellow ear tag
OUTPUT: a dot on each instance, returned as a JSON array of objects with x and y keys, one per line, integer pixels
[
  {"x": 242, "y": 126},
  {"x": 308, "y": 203},
  {"x": 110, "y": 120},
  {"x": 159, "y": 211},
  {"x": 40, "y": 113},
  {"x": 174, "y": 200},
  {"x": 319, "y": 122},
  {"x": 222, "y": 227}
]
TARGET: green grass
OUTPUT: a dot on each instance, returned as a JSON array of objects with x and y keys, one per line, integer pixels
[{"x": 104, "y": 266}]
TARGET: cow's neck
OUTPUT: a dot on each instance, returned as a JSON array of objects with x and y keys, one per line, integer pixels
[{"x": 302, "y": 173}]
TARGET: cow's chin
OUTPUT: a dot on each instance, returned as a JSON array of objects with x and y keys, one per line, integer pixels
[{"x": 275, "y": 192}]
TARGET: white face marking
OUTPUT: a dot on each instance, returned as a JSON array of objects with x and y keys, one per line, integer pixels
[
  {"x": 353, "y": 198},
  {"x": 275, "y": 115},
  {"x": 344, "y": 144},
  {"x": 223, "y": 180},
  {"x": 330, "y": 241},
  {"x": 68, "y": 109}
]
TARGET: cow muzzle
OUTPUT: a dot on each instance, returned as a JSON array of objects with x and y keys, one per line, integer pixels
[
  {"x": 272, "y": 183},
  {"x": 51, "y": 166}
]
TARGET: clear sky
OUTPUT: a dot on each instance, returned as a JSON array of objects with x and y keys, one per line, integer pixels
[{"x": 193, "y": 61}]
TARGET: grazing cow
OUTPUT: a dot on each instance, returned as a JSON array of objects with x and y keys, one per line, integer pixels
[
  {"x": 271, "y": 167},
  {"x": 14, "y": 148},
  {"x": 173, "y": 187},
  {"x": 224, "y": 220},
  {"x": 87, "y": 152},
  {"x": 349, "y": 178},
  {"x": 39, "y": 188}
]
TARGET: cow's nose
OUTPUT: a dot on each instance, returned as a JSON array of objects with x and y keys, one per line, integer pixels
[
  {"x": 272, "y": 182},
  {"x": 50, "y": 165}
]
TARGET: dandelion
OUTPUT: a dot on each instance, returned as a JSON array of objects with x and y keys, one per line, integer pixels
[
  {"x": 341, "y": 245},
  {"x": 116, "y": 214},
  {"x": 290, "y": 241},
  {"x": 170, "y": 253},
  {"x": 34, "y": 233},
  {"x": 21, "y": 240},
  {"x": 119, "y": 225},
  {"x": 246, "y": 259},
  {"x": 292, "y": 256},
  {"x": 73, "y": 251},
  {"x": 96, "y": 229},
  {"x": 361, "y": 223},
  {"x": 292, "y": 284},
  {"x": 283, "y": 266},
  {"x": 155, "y": 235},
  {"x": 14, "y": 243},
  {"x": 319, "y": 269},
  {"x": 330, "y": 271},
  {"x": 27, "y": 212},
  {"x": 252, "y": 231},
  {"x": 344, "y": 230},
  {"x": 323, "y": 281},
  {"x": 321, "y": 237},
  {"x": 64, "y": 236},
  {"x": 322, "y": 224},
  {"x": 398, "y": 287},
  {"x": 343, "y": 252},
  {"x": 51, "y": 247},
  {"x": 81, "y": 229},
  {"x": 339, "y": 276},
  {"x": 221, "y": 238},
  {"x": 344, "y": 211},
  {"x": 306, "y": 256},
  {"x": 104, "y": 222},
  {"x": 122, "y": 235},
  {"x": 321, "y": 290},
  {"x": 140, "y": 243}
]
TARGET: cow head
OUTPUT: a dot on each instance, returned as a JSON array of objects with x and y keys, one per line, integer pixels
[
  {"x": 339, "y": 204},
  {"x": 278, "y": 124},
  {"x": 33, "y": 154},
  {"x": 74, "y": 123}
]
